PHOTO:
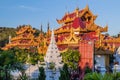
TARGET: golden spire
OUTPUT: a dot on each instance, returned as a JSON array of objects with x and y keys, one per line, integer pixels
[
  {"x": 77, "y": 11},
  {"x": 87, "y": 7},
  {"x": 41, "y": 29},
  {"x": 48, "y": 26}
]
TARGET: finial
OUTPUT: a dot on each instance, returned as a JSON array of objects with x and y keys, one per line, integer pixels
[
  {"x": 77, "y": 11},
  {"x": 87, "y": 7},
  {"x": 41, "y": 29},
  {"x": 48, "y": 25},
  {"x": 77, "y": 8},
  {"x": 9, "y": 38}
]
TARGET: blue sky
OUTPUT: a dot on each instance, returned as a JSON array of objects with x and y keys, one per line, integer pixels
[{"x": 37, "y": 12}]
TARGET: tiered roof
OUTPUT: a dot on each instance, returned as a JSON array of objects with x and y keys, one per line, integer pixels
[
  {"x": 24, "y": 38},
  {"x": 79, "y": 19}
]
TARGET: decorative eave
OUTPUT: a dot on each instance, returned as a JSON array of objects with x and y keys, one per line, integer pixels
[
  {"x": 67, "y": 17},
  {"x": 105, "y": 29},
  {"x": 94, "y": 17},
  {"x": 72, "y": 39},
  {"x": 103, "y": 52},
  {"x": 112, "y": 40},
  {"x": 23, "y": 29}
]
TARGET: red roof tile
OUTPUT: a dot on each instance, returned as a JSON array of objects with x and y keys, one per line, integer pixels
[
  {"x": 70, "y": 15},
  {"x": 78, "y": 23},
  {"x": 90, "y": 36}
]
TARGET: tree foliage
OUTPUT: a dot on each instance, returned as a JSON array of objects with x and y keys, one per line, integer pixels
[
  {"x": 98, "y": 76},
  {"x": 8, "y": 62},
  {"x": 64, "y": 73},
  {"x": 71, "y": 58},
  {"x": 26, "y": 56},
  {"x": 42, "y": 74},
  {"x": 5, "y": 32}
]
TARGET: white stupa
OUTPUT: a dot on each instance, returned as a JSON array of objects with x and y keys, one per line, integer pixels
[
  {"x": 116, "y": 67},
  {"x": 117, "y": 55},
  {"x": 53, "y": 56}
]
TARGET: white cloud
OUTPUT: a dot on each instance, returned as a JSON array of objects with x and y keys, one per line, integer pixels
[{"x": 28, "y": 8}]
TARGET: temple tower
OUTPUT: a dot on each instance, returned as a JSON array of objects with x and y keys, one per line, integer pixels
[{"x": 53, "y": 60}]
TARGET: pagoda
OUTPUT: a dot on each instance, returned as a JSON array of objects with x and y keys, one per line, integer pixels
[
  {"x": 79, "y": 26},
  {"x": 53, "y": 60},
  {"x": 24, "y": 38},
  {"x": 76, "y": 26},
  {"x": 42, "y": 42}
]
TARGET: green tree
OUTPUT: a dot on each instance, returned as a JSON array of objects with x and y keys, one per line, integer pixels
[
  {"x": 64, "y": 73},
  {"x": 5, "y": 32},
  {"x": 71, "y": 58},
  {"x": 20, "y": 54},
  {"x": 88, "y": 70},
  {"x": 98, "y": 76},
  {"x": 42, "y": 74},
  {"x": 8, "y": 62}
]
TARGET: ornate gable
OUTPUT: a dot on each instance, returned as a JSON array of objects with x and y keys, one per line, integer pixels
[{"x": 72, "y": 39}]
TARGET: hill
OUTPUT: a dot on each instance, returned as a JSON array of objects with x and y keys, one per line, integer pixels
[{"x": 5, "y": 32}]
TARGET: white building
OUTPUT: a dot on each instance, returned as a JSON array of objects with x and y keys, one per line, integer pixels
[
  {"x": 116, "y": 67},
  {"x": 53, "y": 60}
]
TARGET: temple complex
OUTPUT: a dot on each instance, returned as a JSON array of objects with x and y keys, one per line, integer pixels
[{"x": 75, "y": 27}]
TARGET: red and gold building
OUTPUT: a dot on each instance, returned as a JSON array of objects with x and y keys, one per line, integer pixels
[
  {"x": 24, "y": 38},
  {"x": 79, "y": 26}
]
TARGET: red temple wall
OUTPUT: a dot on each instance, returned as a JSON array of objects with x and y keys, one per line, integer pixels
[{"x": 86, "y": 49}]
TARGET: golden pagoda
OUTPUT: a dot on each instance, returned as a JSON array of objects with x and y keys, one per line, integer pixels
[
  {"x": 76, "y": 26},
  {"x": 79, "y": 26},
  {"x": 24, "y": 39},
  {"x": 42, "y": 42}
]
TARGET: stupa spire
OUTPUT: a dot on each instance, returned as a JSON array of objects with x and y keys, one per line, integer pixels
[
  {"x": 53, "y": 57},
  {"x": 53, "y": 54}
]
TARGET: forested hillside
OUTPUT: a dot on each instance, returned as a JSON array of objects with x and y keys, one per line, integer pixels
[{"x": 5, "y": 32}]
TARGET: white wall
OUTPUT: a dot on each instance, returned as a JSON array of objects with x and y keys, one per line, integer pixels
[{"x": 100, "y": 60}]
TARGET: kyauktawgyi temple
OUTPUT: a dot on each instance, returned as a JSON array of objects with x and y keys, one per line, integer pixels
[{"x": 78, "y": 31}]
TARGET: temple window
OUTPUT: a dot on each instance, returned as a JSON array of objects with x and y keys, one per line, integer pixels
[
  {"x": 105, "y": 44},
  {"x": 83, "y": 18},
  {"x": 89, "y": 18}
]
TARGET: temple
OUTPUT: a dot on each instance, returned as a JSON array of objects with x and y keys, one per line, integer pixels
[
  {"x": 75, "y": 27},
  {"x": 24, "y": 39},
  {"x": 79, "y": 26}
]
